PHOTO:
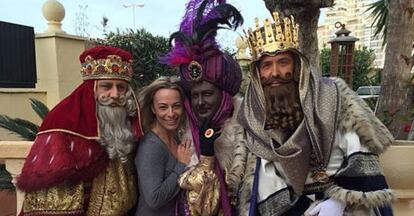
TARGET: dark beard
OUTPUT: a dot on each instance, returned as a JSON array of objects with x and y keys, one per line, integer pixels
[{"x": 283, "y": 109}]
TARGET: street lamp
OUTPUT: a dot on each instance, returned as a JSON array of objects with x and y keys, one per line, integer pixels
[{"x": 134, "y": 5}]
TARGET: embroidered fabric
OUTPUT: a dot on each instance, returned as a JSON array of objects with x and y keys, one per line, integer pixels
[
  {"x": 202, "y": 187},
  {"x": 113, "y": 193}
]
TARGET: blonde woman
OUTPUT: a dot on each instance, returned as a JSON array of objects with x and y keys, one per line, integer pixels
[{"x": 160, "y": 158}]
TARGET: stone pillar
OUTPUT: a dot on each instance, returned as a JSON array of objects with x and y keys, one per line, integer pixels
[
  {"x": 244, "y": 61},
  {"x": 57, "y": 62},
  {"x": 58, "y": 66},
  {"x": 398, "y": 167},
  {"x": 14, "y": 153},
  {"x": 14, "y": 167},
  {"x": 241, "y": 56},
  {"x": 54, "y": 12}
]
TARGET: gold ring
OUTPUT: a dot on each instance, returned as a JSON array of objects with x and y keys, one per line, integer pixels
[{"x": 209, "y": 133}]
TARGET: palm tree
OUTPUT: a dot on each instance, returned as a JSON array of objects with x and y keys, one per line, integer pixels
[
  {"x": 397, "y": 94},
  {"x": 379, "y": 14},
  {"x": 24, "y": 128}
]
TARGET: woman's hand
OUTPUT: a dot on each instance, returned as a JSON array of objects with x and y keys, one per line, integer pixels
[{"x": 184, "y": 152}]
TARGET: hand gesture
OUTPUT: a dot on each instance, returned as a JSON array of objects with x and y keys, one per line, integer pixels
[
  {"x": 208, "y": 134},
  {"x": 184, "y": 152}
]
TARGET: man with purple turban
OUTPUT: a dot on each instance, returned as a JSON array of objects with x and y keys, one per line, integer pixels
[{"x": 211, "y": 79}]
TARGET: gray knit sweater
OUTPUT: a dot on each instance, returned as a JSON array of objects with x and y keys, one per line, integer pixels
[{"x": 158, "y": 172}]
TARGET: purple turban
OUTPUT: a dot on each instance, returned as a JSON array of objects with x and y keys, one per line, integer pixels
[{"x": 220, "y": 70}]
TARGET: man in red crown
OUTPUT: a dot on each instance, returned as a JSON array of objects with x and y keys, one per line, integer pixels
[{"x": 80, "y": 162}]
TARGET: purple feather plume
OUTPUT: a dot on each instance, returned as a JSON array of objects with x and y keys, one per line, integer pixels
[
  {"x": 196, "y": 38},
  {"x": 186, "y": 25},
  {"x": 187, "y": 22}
]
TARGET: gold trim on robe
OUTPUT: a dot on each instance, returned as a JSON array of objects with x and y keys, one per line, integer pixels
[
  {"x": 113, "y": 193},
  {"x": 118, "y": 192},
  {"x": 60, "y": 199},
  {"x": 202, "y": 187}
]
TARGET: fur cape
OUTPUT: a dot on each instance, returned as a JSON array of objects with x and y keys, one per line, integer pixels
[{"x": 354, "y": 116}]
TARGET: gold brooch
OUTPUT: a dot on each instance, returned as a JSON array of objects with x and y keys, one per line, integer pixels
[{"x": 195, "y": 69}]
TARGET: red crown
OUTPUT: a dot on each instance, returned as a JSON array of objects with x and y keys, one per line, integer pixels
[{"x": 106, "y": 62}]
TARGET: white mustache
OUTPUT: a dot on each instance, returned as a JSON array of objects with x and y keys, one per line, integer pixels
[{"x": 106, "y": 101}]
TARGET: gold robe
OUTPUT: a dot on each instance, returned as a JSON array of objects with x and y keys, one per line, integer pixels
[
  {"x": 203, "y": 188},
  {"x": 113, "y": 193}
]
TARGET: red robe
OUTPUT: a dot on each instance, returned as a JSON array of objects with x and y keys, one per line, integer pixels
[{"x": 66, "y": 148}]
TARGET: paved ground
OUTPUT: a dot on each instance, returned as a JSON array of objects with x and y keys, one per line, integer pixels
[{"x": 7, "y": 203}]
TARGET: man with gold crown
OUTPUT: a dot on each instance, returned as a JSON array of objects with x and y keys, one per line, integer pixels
[
  {"x": 80, "y": 162},
  {"x": 313, "y": 143}
]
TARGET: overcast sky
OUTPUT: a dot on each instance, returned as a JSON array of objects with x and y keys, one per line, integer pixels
[{"x": 160, "y": 17}]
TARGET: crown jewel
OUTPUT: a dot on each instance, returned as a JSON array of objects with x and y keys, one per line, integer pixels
[
  {"x": 111, "y": 67},
  {"x": 273, "y": 36}
]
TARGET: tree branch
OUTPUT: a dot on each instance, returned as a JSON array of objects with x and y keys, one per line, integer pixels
[
  {"x": 296, "y": 5},
  {"x": 407, "y": 59},
  {"x": 326, "y": 3},
  {"x": 408, "y": 7},
  {"x": 412, "y": 62}
]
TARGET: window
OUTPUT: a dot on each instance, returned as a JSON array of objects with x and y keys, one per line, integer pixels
[{"x": 17, "y": 56}]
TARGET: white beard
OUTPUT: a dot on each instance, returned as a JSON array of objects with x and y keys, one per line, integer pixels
[{"x": 115, "y": 131}]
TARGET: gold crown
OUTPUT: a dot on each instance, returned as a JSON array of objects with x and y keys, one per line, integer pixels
[
  {"x": 273, "y": 36},
  {"x": 110, "y": 68}
]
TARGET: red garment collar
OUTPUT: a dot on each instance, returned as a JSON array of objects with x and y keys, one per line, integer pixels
[{"x": 76, "y": 114}]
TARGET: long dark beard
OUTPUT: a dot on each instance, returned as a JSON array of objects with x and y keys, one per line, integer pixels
[
  {"x": 283, "y": 110},
  {"x": 115, "y": 129}
]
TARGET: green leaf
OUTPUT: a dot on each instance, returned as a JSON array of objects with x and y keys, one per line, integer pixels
[
  {"x": 5, "y": 178},
  {"x": 379, "y": 14},
  {"x": 12, "y": 125},
  {"x": 364, "y": 73},
  {"x": 39, "y": 107},
  {"x": 27, "y": 124}
]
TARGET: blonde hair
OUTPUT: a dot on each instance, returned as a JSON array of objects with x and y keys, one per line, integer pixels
[{"x": 146, "y": 99}]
